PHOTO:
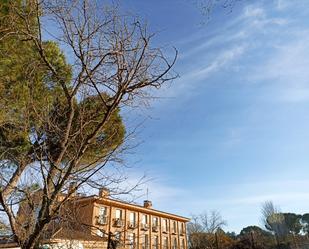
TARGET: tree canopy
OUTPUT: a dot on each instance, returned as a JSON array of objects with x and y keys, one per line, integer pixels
[{"x": 61, "y": 100}]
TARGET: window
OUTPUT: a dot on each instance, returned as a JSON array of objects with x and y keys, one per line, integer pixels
[
  {"x": 182, "y": 229},
  {"x": 144, "y": 222},
  {"x": 102, "y": 211},
  {"x": 118, "y": 222},
  {"x": 155, "y": 242},
  {"x": 165, "y": 225},
  {"x": 145, "y": 242},
  {"x": 131, "y": 238},
  {"x": 175, "y": 243},
  {"x": 155, "y": 221},
  {"x": 102, "y": 218},
  {"x": 174, "y": 227},
  {"x": 155, "y": 224},
  {"x": 144, "y": 219},
  {"x": 182, "y": 244},
  {"x": 165, "y": 243},
  {"x": 132, "y": 218},
  {"x": 118, "y": 214}
]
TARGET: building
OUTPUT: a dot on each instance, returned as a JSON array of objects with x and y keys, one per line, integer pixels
[
  {"x": 130, "y": 225},
  {"x": 98, "y": 221}
]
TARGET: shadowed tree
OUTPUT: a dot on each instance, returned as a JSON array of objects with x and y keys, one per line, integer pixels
[
  {"x": 305, "y": 223},
  {"x": 293, "y": 222},
  {"x": 255, "y": 229}
]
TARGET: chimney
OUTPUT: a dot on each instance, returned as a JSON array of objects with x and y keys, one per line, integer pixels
[
  {"x": 104, "y": 192},
  {"x": 72, "y": 189},
  {"x": 147, "y": 204}
]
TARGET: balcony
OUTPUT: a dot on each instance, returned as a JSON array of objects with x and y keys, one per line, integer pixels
[
  {"x": 132, "y": 245},
  {"x": 131, "y": 225},
  {"x": 145, "y": 246},
  {"x": 102, "y": 220},
  {"x": 155, "y": 229},
  {"x": 117, "y": 222},
  {"x": 144, "y": 226}
]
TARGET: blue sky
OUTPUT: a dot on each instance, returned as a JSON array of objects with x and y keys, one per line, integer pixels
[{"x": 232, "y": 131}]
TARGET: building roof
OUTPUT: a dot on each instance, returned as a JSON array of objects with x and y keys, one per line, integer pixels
[{"x": 122, "y": 204}]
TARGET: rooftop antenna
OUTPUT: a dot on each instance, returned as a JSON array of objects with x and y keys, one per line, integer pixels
[{"x": 147, "y": 194}]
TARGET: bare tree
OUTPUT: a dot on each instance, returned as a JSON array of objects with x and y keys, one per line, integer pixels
[
  {"x": 273, "y": 219},
  {"x": 60, "y": 118},
  {"x": 202, "y": 229},
  {"x": 268, "y": 208},
  {"x": 212, "y": 221}
]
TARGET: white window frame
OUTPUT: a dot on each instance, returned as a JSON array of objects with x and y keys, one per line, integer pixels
[
  {"x": 144, "y": 219},
  {"x": 103, "y": 210},
  {"x": 155, "y": 221},
  {"x": 132, "y": 218},
  {"x": 118, "y": 213}
]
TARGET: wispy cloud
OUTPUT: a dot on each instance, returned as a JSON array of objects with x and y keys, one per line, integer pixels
[
  {"x": 220, "y": 60},
  {"x": 270, "y": 51},
  {"x": 191, "y": 80},
  {"x": 223, "y": 50},
  {"x": 252, "y": 11},
  {"x": 257, "y": 17},
  {"x": 207, "y": 43},
  {"x": 287, "y": 69},
  {"x": 284, "y": 67}
]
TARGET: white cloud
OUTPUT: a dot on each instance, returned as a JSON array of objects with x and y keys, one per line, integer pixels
[
  {"x": 282, "y": 5},
  {"x": 208, "y": 43},
  {"x": 222, "y": 49},
  {"x": 257, "y": 18},
  {"x": 189, "y": 81},
  {"x": 219, "y": 61},
  {"x": 252, "y": 11}
]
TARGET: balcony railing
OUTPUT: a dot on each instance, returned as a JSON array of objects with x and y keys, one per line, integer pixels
[
  {"x": 117, "y": 222},
  {"x": 131, "y": 225},
  {"x": 102, "y": 220},
  {"x": 145, "y": 246},
  {"x": 144, "y": 226},
  {"x": 132, "y": 245}
]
